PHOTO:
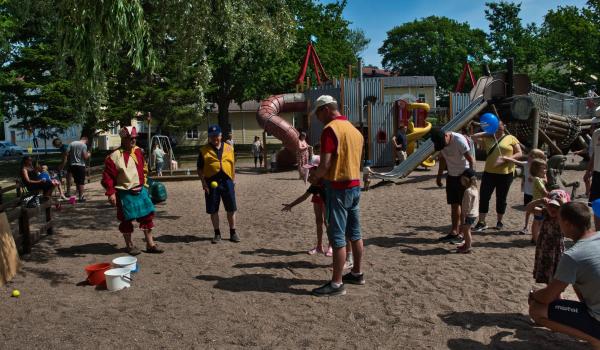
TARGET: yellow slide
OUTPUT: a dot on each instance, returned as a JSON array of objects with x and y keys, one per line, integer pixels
[{"x": 412, "y": 135}]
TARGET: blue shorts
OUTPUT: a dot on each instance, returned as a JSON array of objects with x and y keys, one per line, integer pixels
[
  {"x": 225, "y": 191},
  {"x": 574, "y": 314},
  {"x": 470, "y": 220},
  {"x": 342, "y": 215}
]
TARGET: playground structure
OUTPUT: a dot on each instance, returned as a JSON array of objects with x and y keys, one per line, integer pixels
[
  {"x": 538, "y": 117},
  {"x": 163, "y": 143},
  {"x": 414, "y": 117},
  {"x": 533, "y": 114}
]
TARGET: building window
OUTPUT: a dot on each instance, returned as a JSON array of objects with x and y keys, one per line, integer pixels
[
  {"x": 192, "y": 134},
  {"x": 421, "y": 97},
  {"x": 114, "y": 130}
]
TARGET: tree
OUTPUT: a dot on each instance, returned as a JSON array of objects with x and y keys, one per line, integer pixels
[
  {"x": 34, "y": 88},
  {"x": 358, "y": 41},
  {"x": 433, "y": 46},
  {"x": 571, "y": 42},
  {"x": 252, "y": 35}
]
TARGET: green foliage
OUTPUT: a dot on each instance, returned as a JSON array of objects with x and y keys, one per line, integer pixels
[
  {"x": 34, "y": 89},
  {"x": 508, "y": 37},
  {"x": 571, "y": 40},
  {"x": 435, "y": 46}
]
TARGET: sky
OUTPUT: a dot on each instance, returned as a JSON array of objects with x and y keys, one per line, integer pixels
[{"x": 377, "y": 17}]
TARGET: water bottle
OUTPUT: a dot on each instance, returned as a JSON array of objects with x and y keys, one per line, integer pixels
[{"x": 188, "y": 171}]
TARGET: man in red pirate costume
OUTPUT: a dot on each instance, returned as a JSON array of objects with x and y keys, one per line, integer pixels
[{"x": 124, "y": 178}]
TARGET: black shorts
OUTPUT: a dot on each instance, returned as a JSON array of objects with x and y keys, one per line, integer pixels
[
  {"x": 527, "y": 198},
  {"x": 78, "y": 173},
  {"x": 574, "y": 314},
  {"x": 454, "y": 190},
  {"x": 224, "y": 191},
  {"x": 595, "y": 190}
]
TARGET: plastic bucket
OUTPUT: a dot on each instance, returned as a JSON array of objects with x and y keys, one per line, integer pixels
[
  {"x": 95, "y": 273},
  {"x": 117, "y": 279},
  {"x": 126, "y": 262}
]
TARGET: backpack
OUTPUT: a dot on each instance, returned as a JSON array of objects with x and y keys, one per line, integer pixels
[{"x": 158, "y": 191}]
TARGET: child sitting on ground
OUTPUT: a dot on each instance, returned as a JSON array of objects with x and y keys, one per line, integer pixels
[
  {"x": 550, "y": 244},
  {"x": 527, "y": 183},
  {"x": 318, "y": 200},
  {"x": 46, "y": 176},
  {"x": 538, "y": 178},
  {"x": 469, "y": 208}
]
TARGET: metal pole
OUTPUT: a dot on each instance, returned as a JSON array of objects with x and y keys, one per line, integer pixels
[
  {"x": 536, "y": 128},
  {"x": 149, "y": 133},
  {"x": 361, "y": 94},
  {"x": 361, "y": 99}
]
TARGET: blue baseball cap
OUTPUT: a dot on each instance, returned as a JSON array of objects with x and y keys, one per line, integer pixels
[{"x": 214, "y": 130}]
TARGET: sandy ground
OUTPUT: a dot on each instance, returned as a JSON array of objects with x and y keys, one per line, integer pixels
[{"x": 256, "y": 294}]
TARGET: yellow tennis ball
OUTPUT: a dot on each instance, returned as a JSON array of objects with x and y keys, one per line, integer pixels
[
  {"x": 214, "y": 184},
  {"x": 16, "y": 293}
]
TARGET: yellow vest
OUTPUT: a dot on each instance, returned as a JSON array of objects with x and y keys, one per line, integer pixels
[
  {"x": 127, "y": 174},
  {"x": 212, "y": 164},
  {"x": 345, "y": 164}
]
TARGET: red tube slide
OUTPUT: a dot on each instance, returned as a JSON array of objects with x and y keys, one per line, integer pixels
[{"x": 268, "y": 118}]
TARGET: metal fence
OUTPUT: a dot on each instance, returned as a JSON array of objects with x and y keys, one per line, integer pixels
[
  {"x": 315, "y": 127},
  {"x": 458, "y": 102},
  {"x": 381, "y": 124},
  {"x": 563, "y": 104}
]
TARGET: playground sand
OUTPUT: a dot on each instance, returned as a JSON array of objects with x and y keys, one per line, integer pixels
[{"x": 255, "y": 294}]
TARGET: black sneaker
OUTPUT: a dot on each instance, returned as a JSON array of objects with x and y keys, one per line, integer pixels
[
  {"x": 328, "y": 290},
  {"x": 481, "y": 226},
  {"x": 449, "y": 237},
  {"x": 216, "y": 239},
  {"x": 457, "y": 240},
  {"x": 499, "y": 226},
  {"x": 350, "y": 278},
  {"x": 235, "y": 238}
]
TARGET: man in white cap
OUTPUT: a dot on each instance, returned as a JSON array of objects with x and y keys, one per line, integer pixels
[
  {"x": 593, "y": 169},
  {"x": 341, "y": 150},
  {"x": 125, "y": 181}
]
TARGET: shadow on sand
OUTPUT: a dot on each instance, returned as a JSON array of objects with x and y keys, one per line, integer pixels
[
  {"x": 523, "y": 335},
  {"x": 265, "y": 283}
]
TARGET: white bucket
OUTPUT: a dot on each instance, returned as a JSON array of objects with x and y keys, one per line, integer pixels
[
  {"x": 126, "y": 262},
  {"x": 117, "y": 279}
]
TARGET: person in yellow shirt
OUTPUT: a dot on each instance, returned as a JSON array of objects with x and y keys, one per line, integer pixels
[
  {"x": 216, "y": 169},
  {"x": 497, "y": 174}
]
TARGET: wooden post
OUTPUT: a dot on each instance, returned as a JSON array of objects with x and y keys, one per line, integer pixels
[
  {"x": 536, "y": 128},
  {"x": 550, "y": 143},
  {"x": 349, "y": 71},
  {"x": 369, "y": 130},
  {"x": 265, "y": 151},
  {"x": 49, "y": 228},
  {"x": 24, "y": 231},
  {"x": 342, "y": 102}
]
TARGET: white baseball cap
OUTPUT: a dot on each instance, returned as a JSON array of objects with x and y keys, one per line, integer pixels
[
  {"x": 595, "y": 120},
  {"x": 322, "y": 101}
]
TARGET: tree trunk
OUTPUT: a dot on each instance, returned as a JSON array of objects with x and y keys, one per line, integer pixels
[{"x": 223, "y": 115}]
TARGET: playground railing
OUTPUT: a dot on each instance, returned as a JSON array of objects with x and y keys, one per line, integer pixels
[{"x": 26, "y": 235}]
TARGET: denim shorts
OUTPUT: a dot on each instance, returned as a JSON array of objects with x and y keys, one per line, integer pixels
[{"x": 342, "y": 215}]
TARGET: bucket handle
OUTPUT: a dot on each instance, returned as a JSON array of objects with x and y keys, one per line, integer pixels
[{"x": 128, "y": 279}]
